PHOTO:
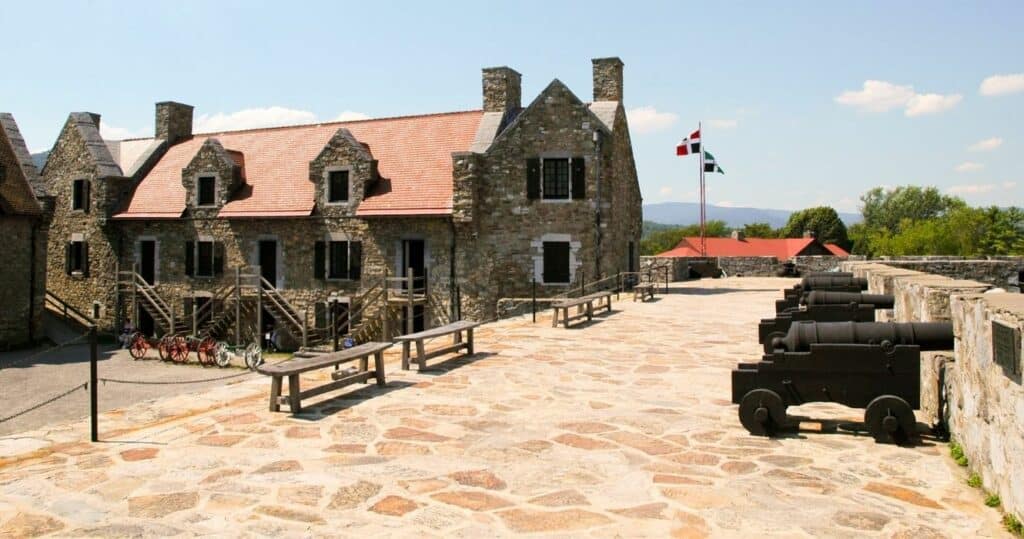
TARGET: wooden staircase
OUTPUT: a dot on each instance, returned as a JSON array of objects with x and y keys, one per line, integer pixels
[{"x": 144, "y": 296}]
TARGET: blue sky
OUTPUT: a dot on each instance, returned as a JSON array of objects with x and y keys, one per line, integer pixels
[{"x": 782, "y": 87}]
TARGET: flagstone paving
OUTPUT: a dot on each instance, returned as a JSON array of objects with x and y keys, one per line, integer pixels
[{"x": 622, "y": 427}]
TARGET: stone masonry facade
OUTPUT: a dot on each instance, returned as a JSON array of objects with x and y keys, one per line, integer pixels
[{"x": 489, "y": 245}]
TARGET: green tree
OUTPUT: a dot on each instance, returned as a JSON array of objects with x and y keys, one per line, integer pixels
[
  {"x": 822, "y": 220},
  {"x": 759, "y": 230},
  {"x": 659, "y": 241},
  {"x": 890, "y": 208}
]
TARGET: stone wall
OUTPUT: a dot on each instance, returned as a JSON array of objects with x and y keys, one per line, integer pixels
[
  {"x": 21, "y": 315},
  {"x": 749, "y": 266},
  {"x": 808, "y": 264},
  {"x": 984, "y": 407},
  {"x": 1003, "y": 272},
  {"x": 683, "y": 268}
]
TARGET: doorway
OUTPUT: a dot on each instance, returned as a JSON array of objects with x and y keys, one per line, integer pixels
[
  {"x": 266, "y": 256},
  {"x": 414, "y": 257},
  {"x": 147, "y": 270}
]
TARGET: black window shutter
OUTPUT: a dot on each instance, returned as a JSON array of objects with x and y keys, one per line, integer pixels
[
  {"x": 533, "y": 178},
  {"x": 355, "y": 260},
  {"x": 579, "y": 178},
  {"x": 190, "y": 258},
  {"x": 218, "y": 258},
  {"x": 86, "y": 196},
  {"x": 85, "y": 259},
  {"x": 320, "y": 316},
  {"x": 67, "y": 258},
  {"x": 319, "y": 260}
]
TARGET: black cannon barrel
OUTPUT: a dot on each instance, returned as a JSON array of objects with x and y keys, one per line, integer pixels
[
  {"x": 828, "y": 274},
  {"x": 825, "y": 297},
  {"x": 927, "y": 335},
  {"x": 831, "y": 282}
]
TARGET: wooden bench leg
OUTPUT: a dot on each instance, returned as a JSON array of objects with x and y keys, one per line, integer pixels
[
  {"x": 421, "y": 354},
  {"x": 293, "y": 393},
  {"x": 590, "y": 311},
  {"x": 378, "y": 368},
  {"x": 275, "y": 393},
  {"x": 469, "y": 341},
  {"x": 554, "y": 318},
  {"x": 405, "y": 355},
  {"x": 364, "y": 364}
]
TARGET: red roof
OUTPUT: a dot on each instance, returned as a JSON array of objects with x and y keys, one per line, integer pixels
[
  {"x": 837, "y": 250},
  {"x": 782, "y": 249},
  {"x": 413, "y": 153}
]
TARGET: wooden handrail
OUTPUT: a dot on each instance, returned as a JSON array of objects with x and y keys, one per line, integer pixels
[{"x": 66, "y": 308}]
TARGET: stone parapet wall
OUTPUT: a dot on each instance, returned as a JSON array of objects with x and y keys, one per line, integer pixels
[
  {"x": 1003, "y": 272},
  {"x": 749, "y": 266},
  {"x": 808, "y": 264}
]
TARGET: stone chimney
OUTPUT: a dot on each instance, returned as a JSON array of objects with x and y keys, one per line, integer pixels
[
  {"x": 809, "y": 234},
  {"x": 607, "y": 79},
  {"x": 173, "y": 121},
  {"x": 502, "y": 89},
  {"x": 738, "y": 235}
]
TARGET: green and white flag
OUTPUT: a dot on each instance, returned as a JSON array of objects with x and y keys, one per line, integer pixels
[{"x": 710, "y": 165}]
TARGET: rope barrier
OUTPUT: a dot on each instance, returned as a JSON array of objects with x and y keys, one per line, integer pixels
[
  {"x": 41, "y": 353},
  {"x": 171, "y": 382},
  {"x": 44, "y": 403}
]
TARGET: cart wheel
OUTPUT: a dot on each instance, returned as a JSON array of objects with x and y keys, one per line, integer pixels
[
  {"x": 253, "y": 356},
  {"x": 204, "y": 351},
  {"x": 770, "y": 339},
  {"x": 762, "y": 412},
  {"x": 164, "y": 347},
  {"x": 890, "y": 419},
  {"x": 138, "y": 346},
  {"x": 179, "y": 350},
  {"x": 221, "y": 354}
]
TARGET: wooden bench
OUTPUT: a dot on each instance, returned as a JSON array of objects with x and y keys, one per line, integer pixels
[
  {"x": 585, "y": 307},
  {"x": 455, "y": 329},
  {"x": 293, "y": 368},
  {"x": 643, "y": 291}
]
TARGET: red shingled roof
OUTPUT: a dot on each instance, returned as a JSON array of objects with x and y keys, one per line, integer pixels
[
  {"x": 782, "y": 249},
  {"x": 837, "y": 250},
  {"x": 414, "y": 154}
]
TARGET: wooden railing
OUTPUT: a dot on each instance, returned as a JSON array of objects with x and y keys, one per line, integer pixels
[{"x": 70, "y": 314}]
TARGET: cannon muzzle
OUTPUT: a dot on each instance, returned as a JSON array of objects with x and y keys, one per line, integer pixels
[
  {"x": 927, "y": 335},
  {"x": 841, "y": 282},
  {"x": 825, "y": 297}
]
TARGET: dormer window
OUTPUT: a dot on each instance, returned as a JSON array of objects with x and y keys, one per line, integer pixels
[
  {"x": 206, "y": 191},
  {"x": 80, "y": 195},
  {"x": 337, "y": 187}
]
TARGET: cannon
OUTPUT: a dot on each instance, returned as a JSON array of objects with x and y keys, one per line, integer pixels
[
  {"x": 831, "y": 281},
  {"x": 823, "y": 306},
  {"x": 870, "y": 365}
]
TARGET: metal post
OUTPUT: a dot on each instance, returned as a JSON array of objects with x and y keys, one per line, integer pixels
[
  {"x": 238, "y": 306},
  {"x": 259, "y": 306},
  {"x": 534, "y": 299},
  {"x": 305, "y": 319},
  {"x": 334, "y": 324},
  {"x": 93, "y": 390}
]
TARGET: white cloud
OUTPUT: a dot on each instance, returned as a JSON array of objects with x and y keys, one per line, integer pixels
[
  {"x": 1002, "y": 84},
  {"x": 877, "y": 96},
  {"x": 351, "y": 116},
  {"x": 922, "y": 104},
  {"x": 882, "y": 96},
  {"x": 253, "y": 118},
  {"x": 649, "y": 120},
  {"x": 723, "y": 124},
  {"x": 1009, "y": 185},
  {"x": 986, "y": 145},
  {"x": 665, "y": 191},
  {"x": 969, "y": 166},
  {"x": 113, "y": 132},
  {"x": 971, "y": 189}
]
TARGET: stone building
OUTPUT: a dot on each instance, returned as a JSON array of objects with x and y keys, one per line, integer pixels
[
  {"x": 23, "y": 228},
  {"x": 478, "y": 204}
]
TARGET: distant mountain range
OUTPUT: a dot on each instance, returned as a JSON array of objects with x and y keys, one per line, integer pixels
[{"x": 688, "y": 213}]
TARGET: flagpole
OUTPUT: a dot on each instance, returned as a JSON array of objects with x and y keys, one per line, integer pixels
[{"x": 703, "y": 210}]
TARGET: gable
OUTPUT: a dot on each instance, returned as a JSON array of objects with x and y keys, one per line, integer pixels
[
  {"x": 16, "y": 190},
  {"x": 548, "y": 110}
]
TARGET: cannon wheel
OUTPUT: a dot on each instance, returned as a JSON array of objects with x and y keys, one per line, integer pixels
[
  {"x": 205, "y": 351},
  {"x": 179, "y": 349},
  {"x": 771, "y": 337},
  {"x": 221, "y": 354},
  {"x": 890, "y": 419},
  {"x": 138, "y": 346},
  {"x": 762, "y": 412},
  {"x": 253, "y": 356},
  {"x": 165, "y": 347}
]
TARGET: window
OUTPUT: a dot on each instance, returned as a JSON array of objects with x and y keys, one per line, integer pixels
[
  {"x": 337, "y": 186},
  {"x": 3, "y": 173},
  {"x": 80, "y": 195},
  {"x": 556, "y": 262},
  {"x": 95, "y": 310},
  {"x": 76, "y": 258},
  {"x": 207, "y": 191},
  {"x": 204, "y": 258},
  {"x": 338, "y": 260},
  {"x": 556, "y": 179}
]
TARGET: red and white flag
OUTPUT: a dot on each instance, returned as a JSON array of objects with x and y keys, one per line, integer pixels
[{"x": 690, "y": 144}]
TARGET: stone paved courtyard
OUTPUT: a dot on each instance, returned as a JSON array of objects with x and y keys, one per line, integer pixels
[{"x": 620, "y": 428}]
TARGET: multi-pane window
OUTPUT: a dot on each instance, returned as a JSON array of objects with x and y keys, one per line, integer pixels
[
  {"x": 207, "y": 191},
  {"x": 556, "y": 179},
  {"x": 80, "y": 195},
  {"x": 338, "y": 267},
  {"x": 338, "y": 260},
  {"x": 204, "y": 258},
  {"x": 556, "y": 262},
  {"x": 337, "y": 186}
]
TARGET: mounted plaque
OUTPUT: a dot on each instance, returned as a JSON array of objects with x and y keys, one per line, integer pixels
[{"x": 1006, "y": 348}]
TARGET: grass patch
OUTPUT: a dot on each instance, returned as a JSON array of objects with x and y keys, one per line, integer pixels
[
  {"x": 974, "y": 481},
  {"x": 957, "y": 452},
  {"x": 1013, "y": 524},
  {"x": 992, "y": 500}
]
